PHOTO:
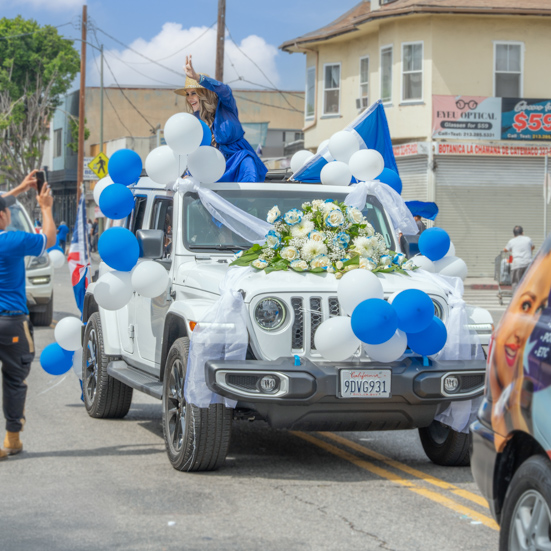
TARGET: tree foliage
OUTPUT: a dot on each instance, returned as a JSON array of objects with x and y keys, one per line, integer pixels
[{"x": 37, "y": 67}]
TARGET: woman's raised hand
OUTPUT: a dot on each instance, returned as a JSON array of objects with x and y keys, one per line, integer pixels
[{"x": 189, "y": 70}]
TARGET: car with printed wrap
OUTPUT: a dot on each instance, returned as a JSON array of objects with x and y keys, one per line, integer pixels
[
  {"x": 511, "y": 448},
  {"x": 283, "y": 379},
  {"x": 39, "y": 272}
]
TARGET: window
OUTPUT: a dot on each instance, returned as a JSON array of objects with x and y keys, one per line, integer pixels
[
  {"x": 58, "y": 142},
  {"x": 134, "y": 221},
  {"x": 508, "y": 62},
  {"x": 386, "y": 74},
  {"x": 412, "y": 71},
  {"x": 161, "y": 219},
  {"x": 310, "y": 93},
  {"x": 364, "y": 82},
  {"x": 331, "y": 89}
]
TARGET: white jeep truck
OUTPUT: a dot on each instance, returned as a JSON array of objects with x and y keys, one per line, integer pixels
[{"x": 283, "y": 380}]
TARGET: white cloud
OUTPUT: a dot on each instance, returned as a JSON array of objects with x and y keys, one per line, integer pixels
[
  {"x": 169, "y": 48},
  {"x": 47, "y": 5}
]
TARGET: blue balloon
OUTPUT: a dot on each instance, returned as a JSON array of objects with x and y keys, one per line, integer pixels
[
  {"x": 55, "y": 360},
  {"x": 374, "y": 321},
  {"x": 116, "y": 201},
  {"x": 431, "y": 340},
  {"x": 434, "y": 243},
  {"x": 125, "y": 167},
  {"x": 207, "y": 133},
  {"x": 119, "y": 249},
  {"x": 390, "y": 178},
  {"x": 414, "y": 309}
]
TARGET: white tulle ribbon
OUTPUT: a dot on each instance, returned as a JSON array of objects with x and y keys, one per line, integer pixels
[
  {"x": 461, "y": 344},
  {"x": 247, "y": 226},
  {"x": 400, "y": 215},
  {"x": 220, "y": 335}
]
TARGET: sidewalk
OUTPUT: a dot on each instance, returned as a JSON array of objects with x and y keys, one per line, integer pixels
[{"x": 481, "y": 283}]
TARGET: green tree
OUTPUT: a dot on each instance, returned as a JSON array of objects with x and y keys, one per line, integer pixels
[{"x": 37, "y": 67}]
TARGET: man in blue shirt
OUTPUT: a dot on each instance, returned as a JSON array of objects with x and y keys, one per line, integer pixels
[
  {"x": 62, "y": 232},
  {"x": 16, "y": 332}
]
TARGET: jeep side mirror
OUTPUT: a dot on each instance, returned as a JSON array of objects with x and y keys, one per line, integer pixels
[
  {"x": 410, "y": 245},
  {"x": 151, "y": 243}
]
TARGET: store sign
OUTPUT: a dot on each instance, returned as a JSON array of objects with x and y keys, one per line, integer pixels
[
  {"x": 491, "y": 150},
  {"x": 410, "y": 149},
  {"x": 466, "y": 117},
  {"x": 526, "y": 119}
]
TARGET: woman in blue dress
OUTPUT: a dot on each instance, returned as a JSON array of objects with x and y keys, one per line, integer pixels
[{"x": 213, "y": 102}]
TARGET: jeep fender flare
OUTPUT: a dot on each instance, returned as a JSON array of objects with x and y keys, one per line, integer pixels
[{"x": 177, "y": 320}]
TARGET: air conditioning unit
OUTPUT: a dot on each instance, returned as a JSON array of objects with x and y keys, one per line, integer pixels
[{"x": 361, "y": 103}]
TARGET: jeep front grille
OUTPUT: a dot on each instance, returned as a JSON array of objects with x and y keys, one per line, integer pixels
[
  {"x": 315, "y": 319},
  {"x": 298, "y": 325}
]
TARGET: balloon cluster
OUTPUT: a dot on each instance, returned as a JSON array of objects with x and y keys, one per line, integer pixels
[
  {"x": 438, "y": 254},
  {"x": 349, "y": 160},
  {"x": 386, "y": 329},
  {"x": 58, "y": 358}
]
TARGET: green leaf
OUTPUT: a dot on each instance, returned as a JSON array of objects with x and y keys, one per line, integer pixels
[{"x": 354, "y": 261}]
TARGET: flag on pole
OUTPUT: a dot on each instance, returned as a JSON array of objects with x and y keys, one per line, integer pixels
[
  {"x": 79, "y": 255},
  {"x": 371, "y": 130}
]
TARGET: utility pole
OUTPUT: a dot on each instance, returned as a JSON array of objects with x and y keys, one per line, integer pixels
[
  {"x": 220, "y": 41},
  {"x": 81, "y": 108}
]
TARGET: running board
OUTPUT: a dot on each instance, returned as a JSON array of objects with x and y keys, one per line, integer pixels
[{"x": 134, "y": 378}]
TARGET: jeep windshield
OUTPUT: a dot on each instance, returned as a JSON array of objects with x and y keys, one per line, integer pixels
[{"x": 202, "y": 232}]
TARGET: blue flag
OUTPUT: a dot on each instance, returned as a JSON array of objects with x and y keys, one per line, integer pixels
[{"x": 372, "y": 128}]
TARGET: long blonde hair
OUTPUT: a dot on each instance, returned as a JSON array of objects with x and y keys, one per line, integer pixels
[{"x": 208, "y": 102}]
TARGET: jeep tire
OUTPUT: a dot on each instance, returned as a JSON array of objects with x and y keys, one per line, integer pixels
[
  {"x": 445, "y": 446},
  {"x": 104, "y": 396},
  {"x": 196, "y": 439}
]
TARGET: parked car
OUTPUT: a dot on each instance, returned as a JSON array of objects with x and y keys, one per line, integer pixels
[
  {"x": 39, "y": 272},
  {"x": 511, "y": 449},
  {"x": 284, "y": 380}
]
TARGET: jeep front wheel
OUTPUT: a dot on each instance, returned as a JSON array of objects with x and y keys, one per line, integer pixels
[
  {"x": 104, "y": 396},
  {"x": 196, "y": 439},
  {"x": 445, "y": 446}
]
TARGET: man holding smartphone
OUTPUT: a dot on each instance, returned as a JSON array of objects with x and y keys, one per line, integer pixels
[{"x": 16, "y": 332}]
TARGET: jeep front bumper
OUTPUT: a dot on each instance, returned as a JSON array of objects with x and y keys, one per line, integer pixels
[{"x": 308, "y": 396}]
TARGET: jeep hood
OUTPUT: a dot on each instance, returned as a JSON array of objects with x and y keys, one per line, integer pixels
[{"x": 208, "y": 276}]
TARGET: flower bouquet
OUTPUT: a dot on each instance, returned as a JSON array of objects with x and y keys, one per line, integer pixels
[{"x": 325, "y": 236}]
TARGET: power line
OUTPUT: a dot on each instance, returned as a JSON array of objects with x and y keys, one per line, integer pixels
[
  {"x": 265, "y": 75},
  {"x": 34, "y": 32}
]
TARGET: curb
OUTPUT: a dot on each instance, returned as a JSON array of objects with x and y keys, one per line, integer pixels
[{"x": 483, "y": 286}]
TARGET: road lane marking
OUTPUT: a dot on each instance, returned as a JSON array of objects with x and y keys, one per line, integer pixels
[
  {"x": 465, "y": 494},
  {"x": 383, "y": 473}
]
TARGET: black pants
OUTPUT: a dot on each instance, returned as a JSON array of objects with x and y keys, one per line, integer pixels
[
  {"x": 16, "y": 355},
  {"x": 516, "y": 276}
]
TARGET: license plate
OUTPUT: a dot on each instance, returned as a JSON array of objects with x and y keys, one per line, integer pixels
[{"x": 365, "y": 383}]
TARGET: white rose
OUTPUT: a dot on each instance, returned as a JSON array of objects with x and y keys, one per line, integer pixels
[
  {"x": 299, "y": 265},
  {"x": 289, "y": 253},
  {"x": 335, "y": 218},
  {"x": 273, "y": 214},
  {"x": 317, "y": 204},
  {"x": 367, "y": 264},
  {"x": 317, "y": 236},
  {"x": 320, "y": 261},
  {"x": 259, "y": 264},
  {"x": 354, "y": 215}
]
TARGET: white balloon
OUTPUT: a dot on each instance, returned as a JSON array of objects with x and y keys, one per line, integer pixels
[
  {"x": 452, "y": 266},
  {"x": 164, "y": 166},
  {"x": 183, "y": 133},
  {"x": 207, "y": 164},
  {"x": 77, "y": 363},
  {"x": 451, "y": 250},
  {"x": 342, "y": 145},
  {"x": 67, "y": 333},
  {"x": 149, "y": 279},
  {"x": 113, "y": 290},
  {"x": 355, "y": 287},
  {"x": 390, "y": 350},
  {"x": 322, "y": 145},
  {"x": 100, "y": 186},
  {"x": 335, "y": 340},
  {"x": 335, "y": 173},
  {"x": 298, "y": 160},
  {"x": 424, "y": 263},
  {"x": 57, "y": 258},
  {"x": 366, "y": 164}
]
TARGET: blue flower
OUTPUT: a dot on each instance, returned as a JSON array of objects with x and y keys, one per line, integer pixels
[
  {"x": 292, "y": 217},
  {"x": 334, "y": 219},
  {"x": 321, "y": 261},
  {"x": 273, "y": 239},
  {"x": 399, "y": 259},
  {"x": 341, "y": 240}
]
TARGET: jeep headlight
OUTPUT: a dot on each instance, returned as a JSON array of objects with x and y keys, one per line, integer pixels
[
  {"x": 270, "y": 313},
  {"x": 438, "y": 310},
  {"x": 36, "y": 261}
]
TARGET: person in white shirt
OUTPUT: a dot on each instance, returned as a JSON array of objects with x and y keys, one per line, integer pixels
[{"x": 521, "y": 248}]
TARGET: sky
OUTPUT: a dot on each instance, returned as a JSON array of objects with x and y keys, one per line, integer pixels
[{"x": 165, "y": 31}]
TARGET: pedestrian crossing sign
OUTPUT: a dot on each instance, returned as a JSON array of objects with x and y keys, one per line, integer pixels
[{"x": 99, "y": 165}]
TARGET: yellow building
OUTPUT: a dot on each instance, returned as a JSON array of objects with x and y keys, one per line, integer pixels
[{"x": 458, "y": 80}]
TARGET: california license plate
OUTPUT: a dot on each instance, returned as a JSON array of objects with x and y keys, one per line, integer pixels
[{"x": 365, "y": 383}]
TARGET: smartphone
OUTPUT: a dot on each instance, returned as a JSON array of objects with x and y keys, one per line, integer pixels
[{"x": 40, "y": 179}]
